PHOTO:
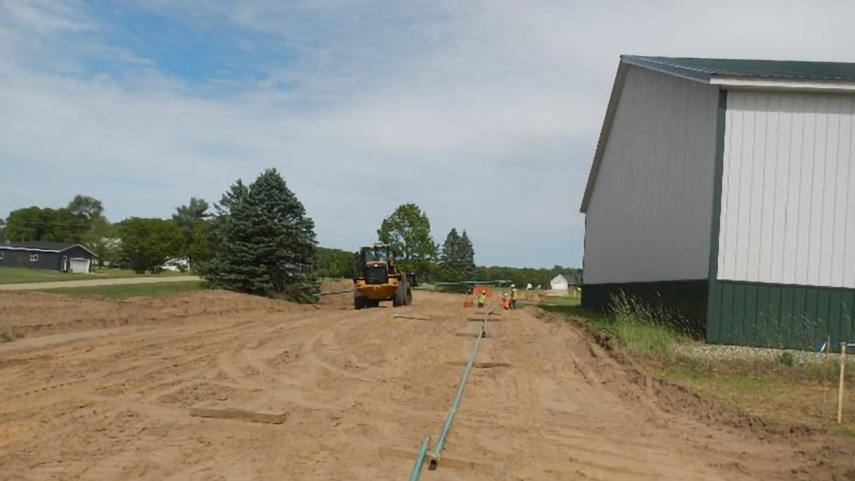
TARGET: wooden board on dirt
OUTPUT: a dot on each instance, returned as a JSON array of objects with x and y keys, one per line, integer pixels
[{"x": 224, "y": 410}]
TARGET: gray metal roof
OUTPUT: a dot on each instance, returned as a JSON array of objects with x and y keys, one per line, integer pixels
[
  {"x": 706, "y": 68},
  {"x": 573, "y": 277},
  {"x": 43, "y": 246}
]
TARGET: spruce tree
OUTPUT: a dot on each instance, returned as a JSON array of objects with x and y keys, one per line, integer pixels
[
  {"x": 265, "y": 243},
  {"x": 451, "y": 248},
  {"x": 452, "y": 254},
  {"x": 468, "y": 257}
]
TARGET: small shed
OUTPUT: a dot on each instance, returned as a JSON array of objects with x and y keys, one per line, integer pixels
[
  {"x": 57, "y": 256},
  {"x": 723, "y": 189}
]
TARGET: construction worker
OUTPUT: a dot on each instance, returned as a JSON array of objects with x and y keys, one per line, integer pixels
[
  {"x": 514, "y": 296},
  {"x": 506, "y": 302},
  {"x": 482, "y": 298}
]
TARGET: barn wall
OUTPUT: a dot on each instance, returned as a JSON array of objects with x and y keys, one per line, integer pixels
[
  {"x": 788, "y": 190},
  {"x": 650, "y": 213},
  {"x": 784, "y": 272}
]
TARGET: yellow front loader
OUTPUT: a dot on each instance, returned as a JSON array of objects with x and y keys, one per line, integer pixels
[{"x": 380, "y": 280}]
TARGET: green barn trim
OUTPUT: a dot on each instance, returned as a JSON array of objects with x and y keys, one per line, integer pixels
[
  {"x": 778, "y": 315},
  {"x": 713, "y": 296}
]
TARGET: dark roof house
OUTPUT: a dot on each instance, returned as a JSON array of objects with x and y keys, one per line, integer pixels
[
  {"x": 59, "y": 256},
  {"x": 574, "y": 278}
]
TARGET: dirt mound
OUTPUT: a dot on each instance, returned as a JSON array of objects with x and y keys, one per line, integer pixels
[
  {"x": 341, "y": 297},
  {"x": 614, "y": 368},
  {"x": 27, "y": 314}
]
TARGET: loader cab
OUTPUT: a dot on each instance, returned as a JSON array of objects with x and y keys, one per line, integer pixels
[
  {"x": 376, "y": 263},
  {"x": 375, "y": 254}
]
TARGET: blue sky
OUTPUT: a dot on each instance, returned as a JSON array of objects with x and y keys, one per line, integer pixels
[{"x": 483, "y": 112}]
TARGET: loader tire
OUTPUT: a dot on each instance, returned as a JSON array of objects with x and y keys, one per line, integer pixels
[
  {"x": 400, "y": 295},
  {"x": 359, "y": 301}
]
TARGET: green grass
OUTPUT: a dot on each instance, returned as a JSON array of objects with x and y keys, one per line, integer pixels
[
  {"x": 644, "y": 338},
  {"x": 787, "y": 395},
  {"x": 645, "y": 331},
  {"x": 17, "y": 275},
  {"x": 571, "y": 301},
  {"x": 130, "y": 290}
]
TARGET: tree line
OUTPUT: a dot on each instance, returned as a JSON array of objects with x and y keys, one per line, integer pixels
[
  {"x": 258, "y": 240},
  {"x": 408, "y": 231}
]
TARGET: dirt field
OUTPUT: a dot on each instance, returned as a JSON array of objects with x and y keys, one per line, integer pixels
[
  {"x": 99, "y": 390},
  {"x": 32, "y": 286}
]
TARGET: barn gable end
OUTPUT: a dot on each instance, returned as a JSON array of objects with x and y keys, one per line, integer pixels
[{"x": 650, "y": 207}]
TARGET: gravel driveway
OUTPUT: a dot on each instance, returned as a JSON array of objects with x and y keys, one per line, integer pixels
[{"x": 32, "y": 286}]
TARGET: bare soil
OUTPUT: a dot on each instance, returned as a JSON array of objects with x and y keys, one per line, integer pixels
[
  {"x": 101, "y": 390},
  {"x": 118, "y": 281}
]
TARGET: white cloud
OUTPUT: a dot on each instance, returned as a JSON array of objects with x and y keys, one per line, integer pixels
[{"x": 484, "y": 113}]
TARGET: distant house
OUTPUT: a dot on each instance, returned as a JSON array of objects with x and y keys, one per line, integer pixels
[
  {"x": 56, "y": 256},
  {"x": 563, "y": 282},
  {"x": 574, "y": 279},
  {"x": 176, "y": 264},
  {"x": 559, "y": 283}
]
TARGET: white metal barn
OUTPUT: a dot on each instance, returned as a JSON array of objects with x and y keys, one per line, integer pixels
[{"x": 725, "y": 189}]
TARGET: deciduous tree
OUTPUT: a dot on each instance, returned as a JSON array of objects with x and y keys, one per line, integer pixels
[
  {"x": 85, "y": 207},
  {"x": 148, "y": 243},
  {"x": 45, "y": 224},
  {"x": 188, "y": 215},
  {"x": 335, "y": 263},
  {"x": 189, "y": 219},
  {"x": 407, "y": 230}
]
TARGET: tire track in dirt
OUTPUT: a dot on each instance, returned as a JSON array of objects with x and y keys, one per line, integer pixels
[{"x": 354, "y": 383}]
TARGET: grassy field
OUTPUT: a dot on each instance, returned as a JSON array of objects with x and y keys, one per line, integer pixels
[
  {"x": 779, "y": 392},
  {"x": 15, "y": 275},
  {"x": 130, "y": 290}
]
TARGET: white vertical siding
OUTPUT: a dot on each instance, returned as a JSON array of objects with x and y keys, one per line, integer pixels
[
  {"x": 650, "y": 212},
  {"x": 787, "y": 215}
]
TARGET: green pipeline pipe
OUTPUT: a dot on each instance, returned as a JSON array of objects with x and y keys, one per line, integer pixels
[
  {"x": 417, "y": 468},
  {"x": 440, "y": 444}
]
